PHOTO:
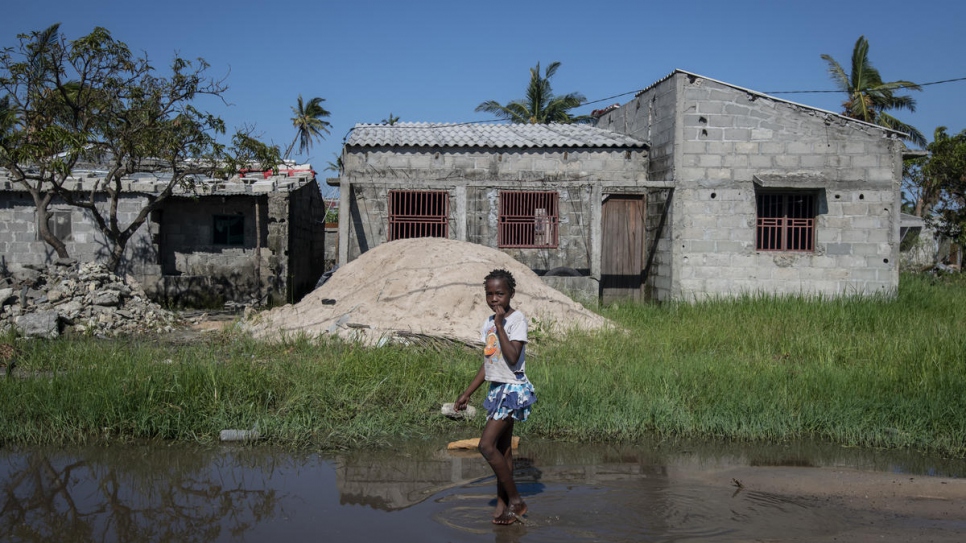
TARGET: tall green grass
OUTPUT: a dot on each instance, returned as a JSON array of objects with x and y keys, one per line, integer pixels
[
  {"x": 301, "y": 392},
  {"x": 877, "y": 372}
]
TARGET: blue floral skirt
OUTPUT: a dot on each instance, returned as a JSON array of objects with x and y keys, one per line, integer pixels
[{"x": 513, "y": 399}]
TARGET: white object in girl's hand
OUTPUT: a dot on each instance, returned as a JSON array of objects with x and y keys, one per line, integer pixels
[{"x": 449, "y": 409}]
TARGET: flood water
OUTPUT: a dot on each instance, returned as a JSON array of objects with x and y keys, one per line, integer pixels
[{"x": 421, "y": 492}]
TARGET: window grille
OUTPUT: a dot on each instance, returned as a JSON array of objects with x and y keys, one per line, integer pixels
[
  {"x": 228, "y": 230},
  {"x": 786, "y": 222},
  {"x": 528, "y": 219},
  {"x": 418, "y": 214}
]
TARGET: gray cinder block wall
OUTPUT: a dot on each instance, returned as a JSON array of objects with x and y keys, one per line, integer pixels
[
  {"x": 473, "y": 177},
  {"x": 720, "y": 144},
  {"x": 21, "y": 245},
  {"x": 173, "y": 255}
]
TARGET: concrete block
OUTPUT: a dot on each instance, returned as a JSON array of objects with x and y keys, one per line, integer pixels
[
  {"x": 759, "y": 134},
  {"x": 813, "y": 162},
  {"x": 746, "y": 147},
  {"x": 787, "y": 161},
  {"x": 709, "y": 161},
  {"x": 731, "y": 246},
  {"x": 771, "y": 147},
  {"x": 760, "y": 161},
  {"x": 694, "y": 147},
  {"x": 720, "y": 147},
  {"x": 838, "y": 249},
  {"x": 699, "y": 246},
  {"x": 737, "y": 134},
  {"x": 854, "y": 236},
  {"x": 735, "y": 161}
]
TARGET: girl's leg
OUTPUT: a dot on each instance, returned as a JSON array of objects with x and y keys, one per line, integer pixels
[
  {"x": 495, "y": 445},
  {"x": 504, "y": 448}
]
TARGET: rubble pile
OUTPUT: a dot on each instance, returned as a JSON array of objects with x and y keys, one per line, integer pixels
[{"x": 88, "y": 299}]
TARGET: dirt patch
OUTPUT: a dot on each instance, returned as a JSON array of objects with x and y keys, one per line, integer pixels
[{"x": 420, "y": 287}]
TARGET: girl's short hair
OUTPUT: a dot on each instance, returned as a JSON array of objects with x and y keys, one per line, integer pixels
[{"x": 504, "y": 275}]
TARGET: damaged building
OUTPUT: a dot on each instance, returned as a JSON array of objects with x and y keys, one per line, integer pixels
[{"x": 253, "y": 239}]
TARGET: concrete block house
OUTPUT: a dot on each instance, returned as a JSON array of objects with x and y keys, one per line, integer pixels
[
  {"x": 538, "y": 192},
  {"x": 254, "y": 238},
  {"x": 696, "y": 188}
]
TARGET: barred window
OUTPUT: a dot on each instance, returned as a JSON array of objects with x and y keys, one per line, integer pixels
[
  {"x": 786, "y": 222},
  {"x": 528, "y": 219},
  {"x": 228, "y": 230},
  {"x": 418, "y": 214}
]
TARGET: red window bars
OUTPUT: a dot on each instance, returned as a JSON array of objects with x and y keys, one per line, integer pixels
[
  {"x": 786, "y": 222},
  {"x": 418, "y": 214},
  {"x": 528, "y": 219}
]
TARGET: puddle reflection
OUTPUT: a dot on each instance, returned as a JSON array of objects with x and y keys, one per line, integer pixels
[{"x": 418, "y": 493}]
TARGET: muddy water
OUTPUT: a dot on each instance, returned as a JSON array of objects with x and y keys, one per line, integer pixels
[{"x": 420, "y": 492}]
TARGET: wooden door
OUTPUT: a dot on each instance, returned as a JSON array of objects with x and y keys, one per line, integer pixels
[{"x": 622, "y": 248}]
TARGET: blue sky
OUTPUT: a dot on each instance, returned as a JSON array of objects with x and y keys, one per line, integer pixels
[{"x": 435, "y": 61}]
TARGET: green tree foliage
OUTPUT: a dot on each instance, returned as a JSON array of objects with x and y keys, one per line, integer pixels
[
  {"x": 944, "y": 173},
  {"x": 309, "y": 124},
  {"x": 90, "y": 101},
  {"x": 540, "y": 106},
  {"x": 869, "y": 98},
  {"x": 391, "y": 120},
  {"x": 249, "y": 153}
]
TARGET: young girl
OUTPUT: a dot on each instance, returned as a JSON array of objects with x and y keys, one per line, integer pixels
[{"x": 510, "y": 395}]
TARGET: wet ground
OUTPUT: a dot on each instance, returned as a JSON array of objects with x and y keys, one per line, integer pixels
[{"x": 421, "y": 492}]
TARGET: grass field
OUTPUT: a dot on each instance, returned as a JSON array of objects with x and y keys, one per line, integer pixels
[{"x": 872, "y": 372}]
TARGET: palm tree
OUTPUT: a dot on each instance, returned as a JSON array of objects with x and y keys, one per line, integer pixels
[
  {"x": 391, "y": 120},
  {"x": 868, "y": 97},
  {"x": 540, "y": 105},
  {"x": 308, "y": 124}
]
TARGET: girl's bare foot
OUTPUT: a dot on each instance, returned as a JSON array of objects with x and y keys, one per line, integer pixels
[
  {"x": 513, "y": 513},
  {"x": 500, "y": 508}
]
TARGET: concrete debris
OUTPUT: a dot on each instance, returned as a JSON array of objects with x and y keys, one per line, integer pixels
[{"x": 86, "y": 298}]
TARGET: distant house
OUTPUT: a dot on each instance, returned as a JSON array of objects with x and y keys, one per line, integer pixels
[
  {"x": 694, "y": 189},
  {"x": 255, "y": 238}
]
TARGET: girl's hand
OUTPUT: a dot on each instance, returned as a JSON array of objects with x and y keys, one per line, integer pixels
[
  {"x": 461, "y": 402},
  {"x": 499, "y": 315}
]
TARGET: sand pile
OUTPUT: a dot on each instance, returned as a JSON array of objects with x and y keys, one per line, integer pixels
[{"x": 426, "y": 286}]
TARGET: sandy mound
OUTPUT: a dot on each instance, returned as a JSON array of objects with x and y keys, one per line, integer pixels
[{"x": 426, "y": 286}]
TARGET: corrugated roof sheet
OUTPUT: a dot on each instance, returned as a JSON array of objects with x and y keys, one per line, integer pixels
[{"x": 487, "y": 135}]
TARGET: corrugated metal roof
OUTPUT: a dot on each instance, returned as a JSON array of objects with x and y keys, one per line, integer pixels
[{"x": 487, "y": 135}]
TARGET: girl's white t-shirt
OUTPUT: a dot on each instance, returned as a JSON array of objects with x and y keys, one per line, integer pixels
[{"x": 496, "y": 368}]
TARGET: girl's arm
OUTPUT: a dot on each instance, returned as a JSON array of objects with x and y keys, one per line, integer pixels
[
  {"x": 511, "y": 349},
  {"x": 464, "y": 398}
]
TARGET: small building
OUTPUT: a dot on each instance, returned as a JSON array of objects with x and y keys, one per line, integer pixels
[
  {"x": 253, "y": 239},
  {"x": 696, "y": 188},
  {"x": 537, "y": 192}
]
